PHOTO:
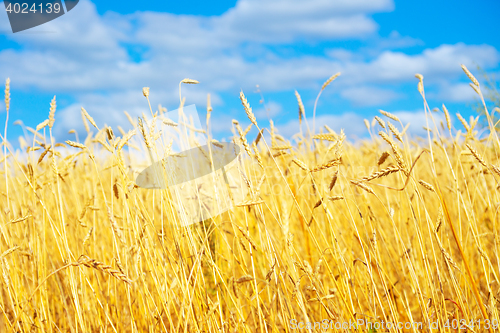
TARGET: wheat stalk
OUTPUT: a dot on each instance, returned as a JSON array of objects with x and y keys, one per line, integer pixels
[
  {"x": 389, "y": 115},
  {"x": 302, "y": 111},
  {"x": 362, "y": 186},
  {"x": 248, "y": 109},
  {"x": 382, "y": 173},
  {"x": 478, "y": 157},
  {"x": 92, "y": 263},
  {"x": 470, "y": 76},
  {"x": 89, "y": 118},
  {"x": 464, "y": 122},
  {"x": 427, "y": 185}
]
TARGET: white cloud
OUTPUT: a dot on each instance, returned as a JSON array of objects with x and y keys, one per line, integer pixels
[
  {"x": 369, "y": 96},
  {"x": 271, "y": 110},
  {"x": 343, "y": 55},
  {"x": 441, "y": 63},
  {"x": 395, "y": 40},
  {"x": 460, "y": 92}
]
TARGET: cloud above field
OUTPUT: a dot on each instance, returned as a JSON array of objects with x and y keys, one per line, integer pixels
[
  {"x": 103, "y": 61},
  {"x": 369, "y": 96}
]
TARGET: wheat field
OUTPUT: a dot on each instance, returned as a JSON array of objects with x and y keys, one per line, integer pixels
[{"x": 390, "y": 229}]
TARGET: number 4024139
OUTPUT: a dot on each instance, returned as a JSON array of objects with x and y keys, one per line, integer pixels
[{"x": 24, "y": 8}]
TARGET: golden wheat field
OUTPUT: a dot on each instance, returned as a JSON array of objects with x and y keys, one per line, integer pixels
[{"x": 389, "y": 234}]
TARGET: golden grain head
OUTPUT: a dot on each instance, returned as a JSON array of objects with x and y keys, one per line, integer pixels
[
  {"x": 470, "y": 76},
  {"x": 42, "y": 125},
  {"x": 170, "y": 122},
  {"x": 301, "y": 105},
  {"x": 475, "y": 88},
  {"x": 209, "y": 104},
  {"x": 189, "y": 81},
  {"x": 464, "y": 122},
  {"x": 89, "y": 118},
  {"x": 447, "y": 116},
  {"x": 380, "y": 121},
  {"x": 389, "y": 115},
  {"x": 330, "y": 80},
  {"x": 52, "y": 112},
  {"x": 75, "y": 144},
  {"x": 7, "y": 94},
  {"x": 427, "y": 185}
]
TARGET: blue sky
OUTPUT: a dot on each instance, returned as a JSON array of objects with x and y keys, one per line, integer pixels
[{"x": 101, "y": 54}]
